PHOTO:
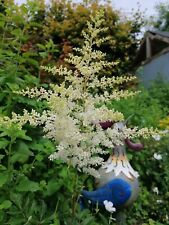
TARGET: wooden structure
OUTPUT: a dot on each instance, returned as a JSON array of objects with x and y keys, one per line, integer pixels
[{"x": 152, "y": 58}]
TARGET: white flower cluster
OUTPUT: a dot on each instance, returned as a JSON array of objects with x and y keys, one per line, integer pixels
[
  {"x": 74, "y": 116},
  {"x": 155, "y": 190},
  {"x": 109, "y": 206},
  {"x": 157, "y": 156},
  {"x": 35, "y": 92}
]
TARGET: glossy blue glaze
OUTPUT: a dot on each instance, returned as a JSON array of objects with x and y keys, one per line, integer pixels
[{"x": 118, "y": 191}]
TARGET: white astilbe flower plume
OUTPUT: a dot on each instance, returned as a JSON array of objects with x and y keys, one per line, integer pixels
[{"x": 78, "y": 105}]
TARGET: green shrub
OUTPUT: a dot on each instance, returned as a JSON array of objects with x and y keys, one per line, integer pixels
[
  {"x": 148, "y": 108},
  {"x": 144, "y": 109}
]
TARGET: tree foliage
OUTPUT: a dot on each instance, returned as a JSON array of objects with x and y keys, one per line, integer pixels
[
  {"x": 161, "y": 21},
  {"x": 63, "y": 22}
]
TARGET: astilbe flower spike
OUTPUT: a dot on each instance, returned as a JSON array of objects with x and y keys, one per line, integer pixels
[{"x": 73, "y": 119}]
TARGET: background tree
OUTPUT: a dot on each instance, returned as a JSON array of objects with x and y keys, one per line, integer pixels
[
  {"x": 161, "y": 20},
  {"x": 36, "y": 34},
  {"x": 65, "y": 21}
]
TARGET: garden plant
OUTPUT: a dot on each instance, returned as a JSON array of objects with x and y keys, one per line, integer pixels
[{"x": 50, "y": 138}]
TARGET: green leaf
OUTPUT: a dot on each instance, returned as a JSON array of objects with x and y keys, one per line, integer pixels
[
  {"x": 39, "y": 157},
  {"x": 2, "y": 23},
  {"x": 22, "y": 153},
  {"x": 2, "y": 215},
  {"x": 43, "y": 54},
  {"x": 17, "y": 32},
  {"x": 16, "y": 198},
  {"x": 13, "y": 86},
  {"x": 5, "y": 204},
  {"x": 53, "y": 186},
  {"x": 103, "y": 219},
  {"x": 16, "y": 220},
  {"x": 1, "y": 156},
  {"x": 88, "y": 220},
  {"x": 3, "y": 178},
  {"x": 27, "y": 185},
  {"x": 41, "y": 46},
  {"x": 14, "y": 132},
  {"x": 21, "y": 134},
  {"x": 3, "y": 143},
  {"x": 32, "y": 62},
  {"x": 3, "y": 169},
  {"x": 29, "y": 55}
]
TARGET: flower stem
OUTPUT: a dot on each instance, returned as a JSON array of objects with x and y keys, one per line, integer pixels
[{"x": 9, "y": 153}]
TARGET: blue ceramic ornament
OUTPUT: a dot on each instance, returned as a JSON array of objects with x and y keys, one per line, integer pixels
[{"x": 118, "y": 181}]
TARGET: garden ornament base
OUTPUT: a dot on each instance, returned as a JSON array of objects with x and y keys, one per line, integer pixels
[{"x": 118, "y": 181}]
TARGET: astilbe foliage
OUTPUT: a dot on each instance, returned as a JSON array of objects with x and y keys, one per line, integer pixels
[{"x": 78, "y": 105}]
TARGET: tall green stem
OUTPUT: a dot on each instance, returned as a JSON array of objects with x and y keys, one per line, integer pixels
[{"x": 9, "y": 153}]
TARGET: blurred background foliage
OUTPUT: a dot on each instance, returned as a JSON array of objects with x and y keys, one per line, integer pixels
[
  {"x": 33, "y": 190},
  {"x": 161, "y": 21}
]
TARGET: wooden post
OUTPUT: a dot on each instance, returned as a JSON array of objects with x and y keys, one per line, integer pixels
[
  {"x": 121, "y": 218},
  {"x": 148, "y": 48}
]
